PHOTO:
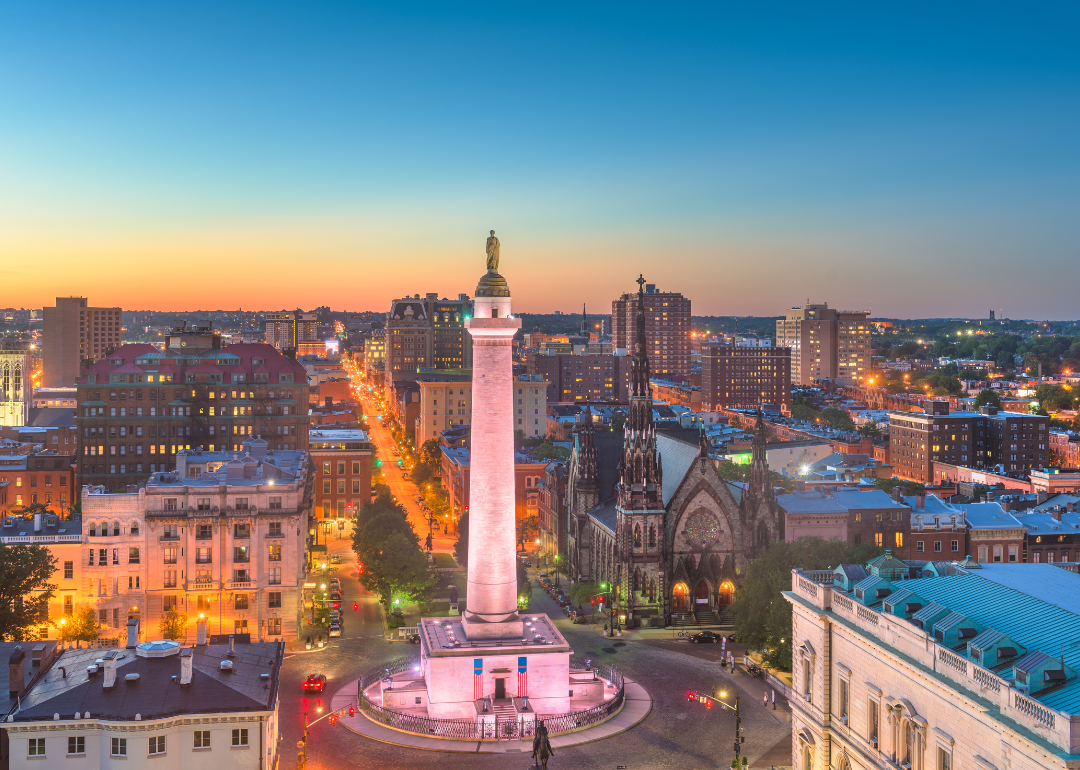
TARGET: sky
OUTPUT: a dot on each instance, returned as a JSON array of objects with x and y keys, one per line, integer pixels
[{"x": 916, "y": 160}]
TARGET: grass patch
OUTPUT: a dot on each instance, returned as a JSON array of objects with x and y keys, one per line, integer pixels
[{"x": 445, "y": 561}]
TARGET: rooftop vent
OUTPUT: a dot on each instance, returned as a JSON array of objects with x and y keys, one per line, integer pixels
[
  {"x": 131, "y": 678},
  {"x": 159, "y": 648},
  {"x": 225, "y": 666}
]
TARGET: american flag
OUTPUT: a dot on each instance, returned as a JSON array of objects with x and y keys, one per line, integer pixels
[
  {"x": 478, "y": 678},
  {"x": 523, "y": 676}
]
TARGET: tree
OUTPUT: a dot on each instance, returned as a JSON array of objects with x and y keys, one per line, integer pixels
[
  {"x": 987, "y": 397},
  {"x": 618, "y": 420},
  {"x": 552, "y": 452},
  {"x": 430, "y": 453},
  {"x": 528, "y": 529},
  {"x": 81, "y": 625},
  {"x": 389, "y": 549},
  {"x": 871, "y": 429},
  {"x": 173, "y": 624},
  {"x": 910, "y": 487},
  {"x": 838, "y": 419},
  {"x": 761, "y": 614},
  {"x": 461, "y": 547},
  {"x": 25, "y": 590},
  {"x": 422, "y": 473}
]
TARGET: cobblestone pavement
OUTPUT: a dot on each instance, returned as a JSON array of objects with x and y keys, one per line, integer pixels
[{"x": 676, "y": 734}]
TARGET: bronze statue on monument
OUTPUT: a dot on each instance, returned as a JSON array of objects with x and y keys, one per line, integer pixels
[{"x": 492, "y": 249}]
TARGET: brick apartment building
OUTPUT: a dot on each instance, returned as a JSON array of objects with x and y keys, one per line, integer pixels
[
  {"x": 73, "y": 334},
  {"x": 342, "y": 460},
  {"x": 667, "y": 329},
  {"x": 593, "y": 378},
  {"x": 140, "y": 406},
  {"x": 825, "y": 343},
  {"x": 983, "y": 439},
  {"x": 529, "y": 472},
  {"x": 745, "y": 377},
  {"x": 38, "y": 476}
]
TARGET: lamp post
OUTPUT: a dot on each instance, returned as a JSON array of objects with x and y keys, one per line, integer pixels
[{"x": 738, "y": 722}]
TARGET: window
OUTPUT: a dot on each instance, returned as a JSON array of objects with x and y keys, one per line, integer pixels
[
  {"x": 982, "y": 553},
  {"x": 133, "y": 555},
  {"x": 35, "y": 747},
  {"x": 275, "y": 529},
  {"x": 956, "y": 547},
  {"x": 242, "y": 531},
  {"x": 356, "y": 467},
  {"x": 240, "y": 553},
  {"x": 997, "y": 553},
  {"x": 275, "y": 576},
  {"x": 273, "y": 627},
  {"x": 944, "y": 759},
  {"x": 275, "y": 553},
  {"x": 240, "y": 736},
  {"x": 169, "y": 553},
  {"x": 356, "y": 487},
  {"x": 879, "y": 539},
  {"x": 157, "y": 745},
  {"x": 1012, "y": 551},
  {"x": 202, "y": 739},
  {"x": 326, "y": 486},
  {"x": 275, "y": 503},
  {"x": 937, "y": 547},
  {"x": 69, "y": 605},
  {"x": 240, "y": 602},
  {"x": 899, "y": 539},
  {"x": 341, "y": 486},
  {"x": 204, "y": 532},
  {"x": 274, "y": 598},
  {"x": 168, "y": 602},
  {"x": 204, "y": 555},
  {"x": 240, "y": 626},
  {"x": 872, "y": 720},
  {"x": 170, "y": 578},
  {"x": 918, "y": 546},
  {"x": 843, "y": 705},
  {"x": 69, "y": 570},
  {"x": 241, "y": 503}
]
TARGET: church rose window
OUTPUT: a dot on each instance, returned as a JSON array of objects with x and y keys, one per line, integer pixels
[{"x": 702, "y": 529}]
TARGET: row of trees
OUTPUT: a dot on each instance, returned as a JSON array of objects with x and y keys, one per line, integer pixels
[
  {"x": 395, "y": 567},
  {"x": 801, "y": 409},
  {"x": 1056, "y": 353}
]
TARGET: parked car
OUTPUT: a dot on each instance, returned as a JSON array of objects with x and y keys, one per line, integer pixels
[
  {"x": 315, "y": 683},
  {"x": 704, "y": 637},
  {"x": 335, "y": 596},
  {"x": 414, "y": 639},
  {"x": 542, "y": 575},
  {"x": 335, "y": 629},
  {"x": 335, "y": 559}
]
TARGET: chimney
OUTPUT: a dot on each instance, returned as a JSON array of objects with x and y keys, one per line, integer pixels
[
  {"x": 232, "y": 646},
  {"x": 800, "y": 486},
  {"x": 1070, "y": 507},
  {"x": 1006, "y": 505},
  {"x": 898, "y": 493},
  {"x": 186, "y": 658},
  {"x": 132, "y": 633},
  {"x": 200, "y": 631},
  {"x": 37, "y": 522},
  {"x": 920, "y": 499},
  {"x": 110, "y": 670},
  {"x": 1041, "y": 497},
  {"x": 17, "y": 672},
  {"x": 1056, "y": 512}
]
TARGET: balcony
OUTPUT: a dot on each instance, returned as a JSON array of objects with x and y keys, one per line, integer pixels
[
  {"x": 241, "y": 585},
  {"x": 169, "y": 538},
  {"x": 203, "y": 584}
]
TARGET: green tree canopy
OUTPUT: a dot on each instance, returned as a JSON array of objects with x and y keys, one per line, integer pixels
[
  {"x": 173, "y": 624},
  {"x": 430, "y": 453},
  {"x": 910, "y": 487},
  {"x": 987, "y": 397},
  {"x": 761, "y": 614},
  {"x": 838, "y": 419},
  {"x": 25, "y": 590},
  {"x": 81, "y": 625},
  {"x": 528, "y": 529},
  {"x": 389, "y": 549},
  {"x": 552, "y": 452}
]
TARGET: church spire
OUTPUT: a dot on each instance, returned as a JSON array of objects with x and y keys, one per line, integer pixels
[
  {"x": 759, "y": 487},
  {"x": 640, "y": 389},
  {"x": 584, "y": 323},
  {"x": 588, "y": 469},
  {"x": 640, "y": 480}
]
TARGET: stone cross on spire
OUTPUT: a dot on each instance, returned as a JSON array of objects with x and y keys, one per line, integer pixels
[{"x": 640, "y": 283}]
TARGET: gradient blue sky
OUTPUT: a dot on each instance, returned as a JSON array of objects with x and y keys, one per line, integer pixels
[{"x": 916, "y": 159}]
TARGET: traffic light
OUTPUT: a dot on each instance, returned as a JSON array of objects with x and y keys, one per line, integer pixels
[
  {"x": 333, "y": 719},
  {"x": 378, "y": 463},
  {"x": 355, "y": 606},
  {"x": 352, "y": 711},
  {"x": 690, "y": 697}
]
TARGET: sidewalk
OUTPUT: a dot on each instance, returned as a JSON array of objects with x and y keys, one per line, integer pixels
[{"x": 636, "y": 707}]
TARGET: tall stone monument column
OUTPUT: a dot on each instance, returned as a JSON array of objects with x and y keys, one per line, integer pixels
[{"x": 491, "y": 600}]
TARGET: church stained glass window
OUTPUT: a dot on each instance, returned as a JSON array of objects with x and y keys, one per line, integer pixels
[{"x": 702, "y": 529}]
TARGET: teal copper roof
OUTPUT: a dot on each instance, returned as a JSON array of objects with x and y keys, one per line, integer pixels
[{"x": 1037, "y": 605}]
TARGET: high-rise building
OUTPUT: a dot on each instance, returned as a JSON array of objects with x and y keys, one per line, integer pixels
[
  {"x": 667, "y": 327},
  {"x": 294, "y": 330},
  {"x": 825, "y": 343},
  {"x": 733, "y": 376},
  {"x": 74, "y": 334},
  {"x": 427, "y": 333},
  {"x": 445, "y": 405},
  {"x": 983, "y": 439},
  {"x": 140, "y": 406},
  {"x": 375, "y": 354},
  {"x": 15, "y": 389}
]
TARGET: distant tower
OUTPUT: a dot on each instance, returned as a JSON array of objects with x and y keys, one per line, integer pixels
[{"x": 991, "y": 315}]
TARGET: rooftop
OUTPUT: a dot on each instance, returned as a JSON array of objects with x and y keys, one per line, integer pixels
[{"x": 69, "y": 687}]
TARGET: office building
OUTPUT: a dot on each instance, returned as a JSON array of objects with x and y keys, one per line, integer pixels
[
  {"x": 446, "y": 405},
  {"x": 584, "y": 377},
  {"x": 342, "y": 460},
  {"x": 825, "y": 343},
  {"x": 984, "y": 439},
  {"x": 738, "y": 377},
  {"x": 294, "y": 330},
  {"x": 74, "y": 334},
  {"x": 934, "y": 666},
  {"x": 140, "y": 406},
  {"x": 375, "y": 354},
  {"x": 667, "y": 329}
]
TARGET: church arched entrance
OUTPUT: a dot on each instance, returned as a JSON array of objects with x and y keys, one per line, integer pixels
[
  {"x": 701, "y": 596},
  {"x": 680, "y": 599},
  {"x": 727, "y": 593}
]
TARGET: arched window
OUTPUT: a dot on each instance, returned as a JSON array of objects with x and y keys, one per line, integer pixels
[
  {"x": 93, "y": 529},
  {"x": 6, "y": 386},
  {"x": 652, "y": 536},
  {"x": 808, "y": 758},
  {"x": 909, "y": 741},
  {"x": 652, "y": 590},
  {"x": 134, "y": 528},
  {"x": 116, "y": 529},
  {"x": 18, "y": 382},
  {"x": 637, "y": 536}
]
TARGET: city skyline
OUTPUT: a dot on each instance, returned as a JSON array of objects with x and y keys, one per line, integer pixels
[{"x": 901, "y": 163}]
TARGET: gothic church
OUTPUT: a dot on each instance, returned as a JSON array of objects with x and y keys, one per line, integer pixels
[{"x": 669, "y": 547}]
